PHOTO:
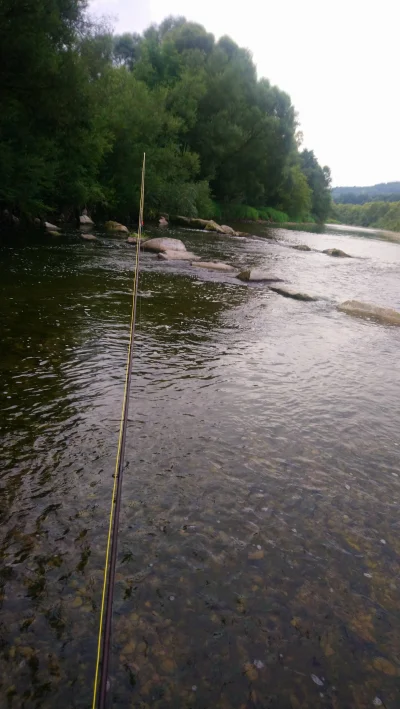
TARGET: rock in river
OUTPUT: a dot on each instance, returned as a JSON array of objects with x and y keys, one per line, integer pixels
[
  {"x": 213, "y": 226},
  {"x": 215, "y": 266},
  {"x": 84, "y": 220},
  {"x": 88, "y": 237},
  {"x": 177, "y": 256},
  {"x": 368, "y": 310},
  {"x": 228, "y": 230},
  {"x": 115, "y": 226},
  {"x": 190, "y": 222},
  {"x": 51, "y": 227},
  {"x": 301, "y": 247},
  {"x": 336, "y": 252},
  {"x": 255, "y": 275},
  {"x": 291, "y": 293},
  {"x": 164, "y": 244}
]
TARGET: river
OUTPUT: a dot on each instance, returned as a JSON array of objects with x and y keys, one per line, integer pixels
[{"x": 259, "y": 540}]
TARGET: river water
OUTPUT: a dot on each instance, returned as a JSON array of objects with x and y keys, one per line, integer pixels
[{"x": 259, "y": 540}]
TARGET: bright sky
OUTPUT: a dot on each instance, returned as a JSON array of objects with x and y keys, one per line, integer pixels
[{"x": 339, "y": 62}]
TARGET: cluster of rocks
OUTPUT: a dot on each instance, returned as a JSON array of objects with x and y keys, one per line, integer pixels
[
  {"x": 169, "y": 249},
  {"x": 175, "y": 250}
]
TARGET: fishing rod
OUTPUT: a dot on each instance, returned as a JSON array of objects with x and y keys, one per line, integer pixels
[{"x": 101, "y": 683}]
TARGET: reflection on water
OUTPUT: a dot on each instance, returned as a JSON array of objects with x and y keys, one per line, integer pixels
[{"x": 259, "y": 548}]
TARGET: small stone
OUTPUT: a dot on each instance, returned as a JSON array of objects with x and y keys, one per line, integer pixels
[
  {"x": 368, "y": 576},
  {"x": 383, "y": 665},
  {"x": 259, "y": 664},
  {"x": 254, "y": 555},
  {"x": 317, "y": 680},
  {"x": 172, "y": 598},
  {"x": 377, "y": 702},
  {"x": 258, "y": 546},
  {"x": 194, "y": 688},
  {"x": 250, "y": 672},
  {"x": 382, "y": 541},
  {"x": 347, "y": 486},
  {"x": 336, "y": 252}
]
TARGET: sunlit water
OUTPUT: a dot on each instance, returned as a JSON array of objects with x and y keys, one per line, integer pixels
[{"x": 259, "y": 538}]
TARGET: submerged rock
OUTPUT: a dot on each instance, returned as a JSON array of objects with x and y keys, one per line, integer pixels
[
  {"x": 215, "y": 266},
  {"x": 177, "y": 256},
  {"x": 336, "y": 252},
  {"x": 162, "y": 222},
  {"x": 84, "y": 220},
  {"x": 254, "y": 275},
  {"x": 368, "y": 310},
  {"x": 131, "y": 240},
  {"x": 88, "y": 237},
  {"x": 291, "y": 293},
  {"x": 51, "y": 227},
  {"x": 164, "y": 244},
  {"x": 115, "y": 226},
  {"x": 301, "y": 247}
]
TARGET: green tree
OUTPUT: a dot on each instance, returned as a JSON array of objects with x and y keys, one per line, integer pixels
[{"x": 319, "y": 181}]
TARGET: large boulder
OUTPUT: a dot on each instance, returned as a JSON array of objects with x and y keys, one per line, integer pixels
[
  {"x": 163, "y": 244},
  {"x": 51, "y": 227},
  {"x": 211, "y": 225},
  {"x": 88, "y": 237},
  {"x": 291, "y": 293},
  {"x": 215, "y": 266},
  {"x": 368, "y": 310},
  {"x": 336, "y": 252},
  {"x": 254, "y": 275},
  {"x": 177, "y": 256},
  {"x": 84, "y": 220},
  {"x": 115, "y": 226}
]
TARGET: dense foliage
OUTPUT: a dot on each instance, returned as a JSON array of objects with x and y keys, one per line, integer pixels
[
  {"x": 79, "y": 107},
  {"x": 383, "y": 192},
  {"x": 382, "y": 215}
]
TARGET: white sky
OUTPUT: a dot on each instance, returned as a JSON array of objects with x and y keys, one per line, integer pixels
[{"x": 339, "y": 61}]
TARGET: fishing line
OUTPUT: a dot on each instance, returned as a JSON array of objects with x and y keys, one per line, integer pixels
[{"x": 101, "y": 683}]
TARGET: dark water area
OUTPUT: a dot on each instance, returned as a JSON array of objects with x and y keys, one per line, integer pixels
[{"x": 259, "y": 547}]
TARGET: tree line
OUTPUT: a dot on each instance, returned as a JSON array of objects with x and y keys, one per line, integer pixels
[
  {"x": 382, "y": 192},
  {"x": 80, "y": 106},
  {"x": 380, "y": 215}
]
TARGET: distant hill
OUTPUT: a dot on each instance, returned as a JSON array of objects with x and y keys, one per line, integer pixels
[{"x": 383, "y": 192}]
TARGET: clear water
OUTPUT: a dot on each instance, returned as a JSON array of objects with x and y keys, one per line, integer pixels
[{"x": 259, "y": 539}]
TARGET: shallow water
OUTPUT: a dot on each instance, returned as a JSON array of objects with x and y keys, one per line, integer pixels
[{"x": 259, "y": 547}]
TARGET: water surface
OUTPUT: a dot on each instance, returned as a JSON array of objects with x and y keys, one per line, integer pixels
[{"x": 259, "y": 548}]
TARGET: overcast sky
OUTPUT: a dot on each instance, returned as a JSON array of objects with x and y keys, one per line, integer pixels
[{"x": 339, "y": 61}]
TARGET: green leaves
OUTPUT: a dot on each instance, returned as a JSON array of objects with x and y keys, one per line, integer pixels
[{"x": 81, "y": 106}]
